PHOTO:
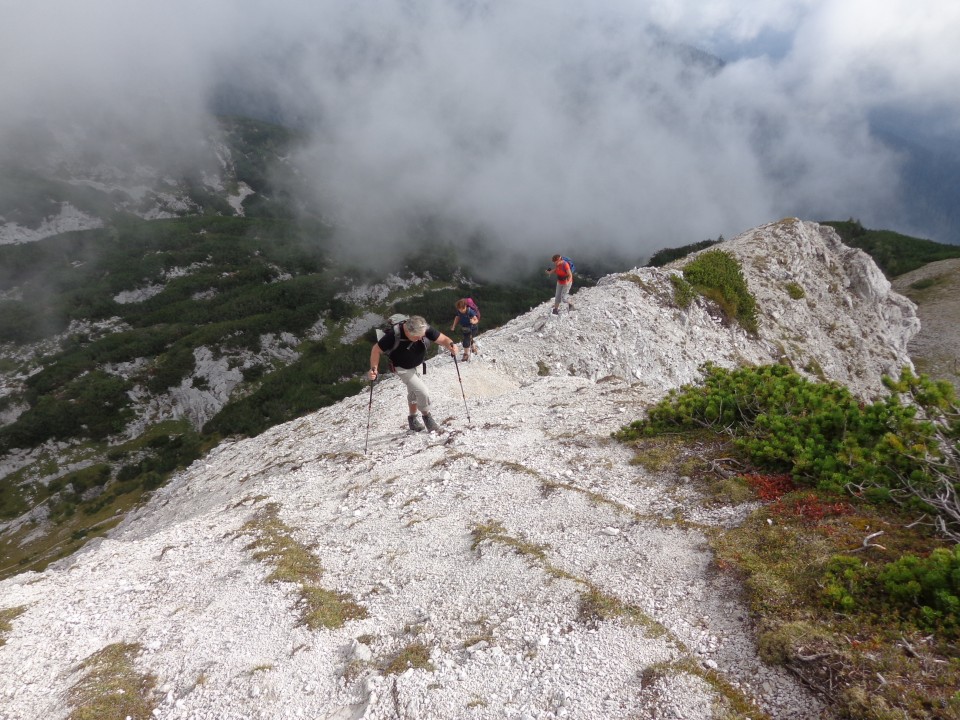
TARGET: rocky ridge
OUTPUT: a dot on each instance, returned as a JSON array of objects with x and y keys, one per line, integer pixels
[{"x": 483, "y": 546}]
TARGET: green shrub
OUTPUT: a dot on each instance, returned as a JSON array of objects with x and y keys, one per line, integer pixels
[
  {"x": 20, "y": 322},
  {"x": 90, "y": 477},
  {"x": 127, "y": 472},
  {"x": 819, "y": 432},
  {"x": 683, "y": 292},
  {"x": 167, "y": 454},
  {"x": 843, "y": 582},
  {"x": 795, "y": 291},
  {"x": 93, "y": 405},
  {"x": 316, "y": 380},
  {"x": 716, "y": 274},
  {"x": 171, "y": 367},
  {"x": 80, "y": 354},
  {"x": 924, "y": 284},
  {"x": 924, "y": 591},
  {"x": 927, "y": 589}
]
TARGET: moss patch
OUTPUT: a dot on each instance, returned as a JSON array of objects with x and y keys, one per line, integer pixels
[{"x": 733, "y": 702}]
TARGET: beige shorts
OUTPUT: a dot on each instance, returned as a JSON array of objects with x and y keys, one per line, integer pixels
[{"x": 416, "y": 389}]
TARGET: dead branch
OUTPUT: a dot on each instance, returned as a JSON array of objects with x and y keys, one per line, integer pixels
[
  {"x": 908, "y": 648},
  {"x": 812, "y": 658},
  {"x": 868, "y": 544},
  {"x": 716, "y": 466},
  {"x": 919, "y": 521}
]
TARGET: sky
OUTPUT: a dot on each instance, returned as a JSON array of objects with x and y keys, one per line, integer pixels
[{"x": 549, "y": 125}]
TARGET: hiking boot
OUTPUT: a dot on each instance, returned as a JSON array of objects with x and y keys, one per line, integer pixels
[
  {"x": 570, "y": 306},
  {"x": 465, "y": 358},
  {"x": 415, "y": 424},
  {"x": 556, "y": 311},
  {"x": 431, "y": 423}
]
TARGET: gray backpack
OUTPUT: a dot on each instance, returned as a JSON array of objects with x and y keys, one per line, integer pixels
[{"x": 395, "y": 323}]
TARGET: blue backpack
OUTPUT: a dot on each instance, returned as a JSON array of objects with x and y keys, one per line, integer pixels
[{"x": 568, "y": 261}]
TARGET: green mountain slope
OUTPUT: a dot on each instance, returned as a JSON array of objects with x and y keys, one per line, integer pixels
[
  {"x": 894, "y": 253},
  {"x": 97, "y": 325}
]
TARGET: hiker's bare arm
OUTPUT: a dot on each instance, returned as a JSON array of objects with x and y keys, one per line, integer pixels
[
  {"x": 447, "y": 343},
  {"x": 375, "y": 353}
]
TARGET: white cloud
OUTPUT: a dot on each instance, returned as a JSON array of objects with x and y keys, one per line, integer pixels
[
  {"x": 894, "y": 52},
  {"x": 549, "y": 124}
]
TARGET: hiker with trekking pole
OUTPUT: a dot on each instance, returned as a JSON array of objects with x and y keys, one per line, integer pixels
[
  {"x": 405, "y": 345},
  {"x": 468, "y": 317}
]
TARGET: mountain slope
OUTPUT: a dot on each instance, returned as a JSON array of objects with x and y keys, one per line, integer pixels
[
  {"x": 239, "y": 169},
  {"x": 935, "y": 288},
  {"x": 517, "y": 566}
]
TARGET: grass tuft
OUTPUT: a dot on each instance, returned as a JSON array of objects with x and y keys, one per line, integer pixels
[
  {"x": 597, "y": 606},
  {"x": 294, "y": 563},
  {"x": 795, "y": 290},
  {"x": 7, "y": 616},
  {"x": 494, "y": 531},
  {"x": 416, "y": 655},
  {"x": 112, "y": 687}
]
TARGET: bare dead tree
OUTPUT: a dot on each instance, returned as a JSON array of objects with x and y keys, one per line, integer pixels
[{"x": 941, "y": 473}]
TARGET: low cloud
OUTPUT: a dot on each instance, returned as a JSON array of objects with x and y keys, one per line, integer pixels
[{"x": 541, "y": 125}]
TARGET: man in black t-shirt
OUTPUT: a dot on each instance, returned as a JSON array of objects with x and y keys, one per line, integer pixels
[{"x": 406, "y": 352}]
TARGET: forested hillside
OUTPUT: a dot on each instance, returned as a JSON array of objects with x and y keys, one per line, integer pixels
[
  {"x": 128, "y": 350},
  {"x": 893, "y": 252}
]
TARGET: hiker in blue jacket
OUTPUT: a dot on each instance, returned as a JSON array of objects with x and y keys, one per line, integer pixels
[
  {"x": 469, "y": 322},
  {"x": 405, "y": 346}
]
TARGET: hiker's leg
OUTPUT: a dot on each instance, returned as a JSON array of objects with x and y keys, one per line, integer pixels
[
  {"x": 467, "y": 342},
  {"x": 417, "y": 394},
  {"x": 558, "y": 296}
]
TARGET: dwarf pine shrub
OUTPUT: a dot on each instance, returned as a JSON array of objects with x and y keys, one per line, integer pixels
[
  {"x": 683, "y": 292},
  {"x": 924, "y": 591},
  {"x": 717, "y": 275},
  {"x": 817, "y": 431}
]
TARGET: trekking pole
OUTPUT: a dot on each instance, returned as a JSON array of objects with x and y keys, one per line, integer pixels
[
  {"x": 369, "y": 413},
  {"x": 457, "y": 366}
]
